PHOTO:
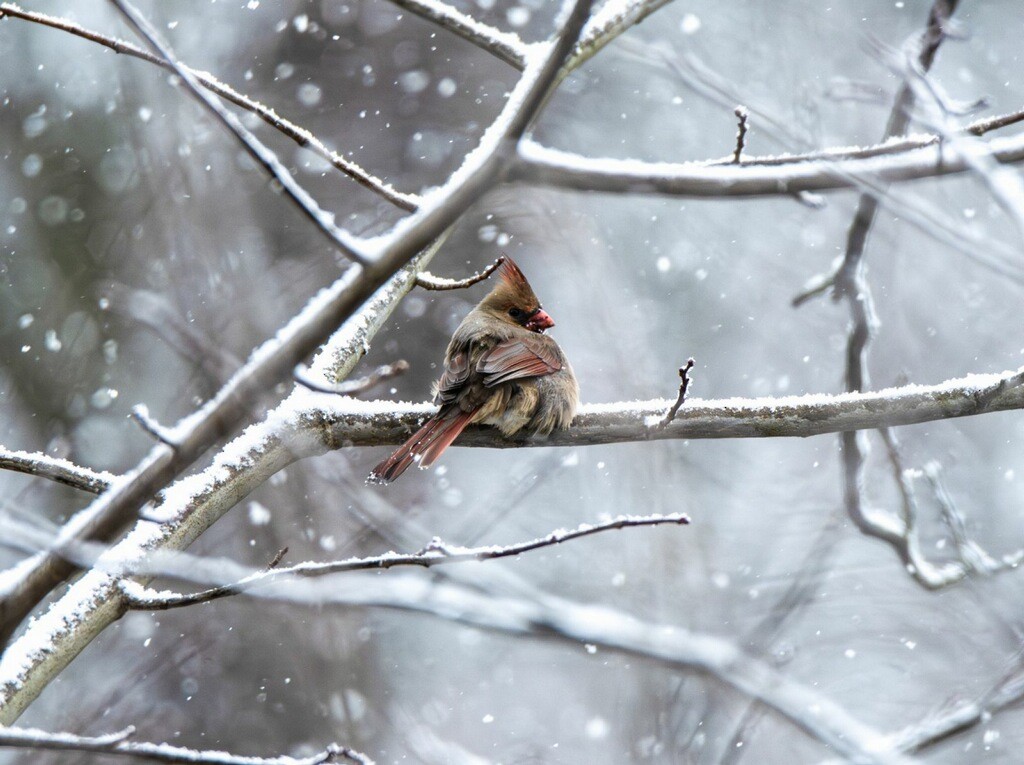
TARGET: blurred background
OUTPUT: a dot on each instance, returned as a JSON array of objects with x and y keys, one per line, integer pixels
[{"x": 142, "y": 256}]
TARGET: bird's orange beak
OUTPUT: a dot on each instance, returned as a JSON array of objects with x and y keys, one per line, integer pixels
[{"x": 539, "y": 321}]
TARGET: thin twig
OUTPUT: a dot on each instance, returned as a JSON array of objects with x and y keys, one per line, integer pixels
[
  {"x": 684, "y": 384},
  {"x": 435, "y": 553},
  {"x": 117, "y": 744},
  {"x": 299, "y": 135},
  {"x": 428, "y": 281},
  {"x": 741, "y": 133},
  {"x": 140, "y": 414},
  {"x": 351, "y": 387},
  {"x": 56, "y": 469}
]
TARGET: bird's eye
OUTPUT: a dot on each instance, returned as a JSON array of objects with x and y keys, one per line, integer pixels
[{"x": 516, "y": 313}]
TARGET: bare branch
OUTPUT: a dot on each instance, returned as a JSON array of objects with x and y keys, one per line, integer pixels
[
  {"x": 351, "y": 387},
  {"x": 428, "y": 281},
  {"x": 684, "y": 384},
  {"x": 117, "y": 744},
  {"x": 55, "y": 469},
  {"x": 741, "y": 133},
  {"x": 300, "y": 135},
  {"x": 435, "y": 553}
]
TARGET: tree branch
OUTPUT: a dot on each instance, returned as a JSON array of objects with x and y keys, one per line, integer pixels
[
  {"x": 506, "y": 46},
  {"x": 55, "y": 469},
  {"x": 428, "y": 281},
  {"x": 548, "y": 617},
  {"x": 340, "y": 239},
  {"x": 435, "y": 553},
  {"x": 385, "y": 423},
  {"x": 552, "y": 167},
  {"x": 117, "y": 744}
]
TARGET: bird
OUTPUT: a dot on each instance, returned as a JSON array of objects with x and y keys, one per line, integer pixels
[{"x": 500, "y": 369}]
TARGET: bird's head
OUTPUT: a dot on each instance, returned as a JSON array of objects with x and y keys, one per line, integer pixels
[{"x": 512, "y": 300}]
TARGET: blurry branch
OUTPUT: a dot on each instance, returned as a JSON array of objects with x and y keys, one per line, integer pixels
[
  {"x": 118, "y": 745},
  {"x": 435, "y": 553},
  {"x": 506, "y": 46},
  {"x": 55, "y": 469},
  {"x": 1003, "y": 183},
  {"x": 385, "y": 423},
  {"x": 160, "y": 315},
  {"x": 300, "y": 135},
  {"x": 684, "y": 385},
  {"x": 741, "y": 133},
  {"x": 428, "y": 281},
  {"x": 140, "y": 414},
  {"x": 340, "y": 239},
  {"x": 947, "y": 723},
  {"x": 92, "y": 603},
  {"x": 351, "y": 387},
  {"x": 551, "y": 618}
]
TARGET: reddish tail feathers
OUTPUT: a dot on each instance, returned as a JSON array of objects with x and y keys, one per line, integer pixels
[{"x": 425, "y": 446}]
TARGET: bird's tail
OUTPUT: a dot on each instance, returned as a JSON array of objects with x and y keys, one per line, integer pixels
[{"x": 425, "y": 445}]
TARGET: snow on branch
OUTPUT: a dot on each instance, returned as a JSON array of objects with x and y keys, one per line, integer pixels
[
  {"x": 381, "y": 423},
  {"x": 300, "y": 135},
  {"x": 55, "y": 469},
  {"x": 553, "y": 167},
  {"x": 119, "y": 744},
  {"x": 506, "y": 46}
]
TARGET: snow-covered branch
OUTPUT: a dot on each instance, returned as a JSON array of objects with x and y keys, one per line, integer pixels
[
  {"x": 506, "y": 46},
  {"x": 552, "y": 167},
  {"x": 55, "y": 469},
  {"x": 378, "y": 423},
  {"x": 119, "y": 745}
]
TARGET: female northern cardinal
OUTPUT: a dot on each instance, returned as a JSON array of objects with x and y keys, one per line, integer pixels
[{"x": 500, "y": 369}]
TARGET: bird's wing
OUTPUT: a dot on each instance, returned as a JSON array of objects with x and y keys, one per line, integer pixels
[
  {"x": 516, "y": 358},
  {"x": 454, "y": 377}
]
